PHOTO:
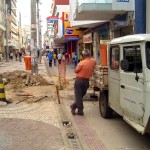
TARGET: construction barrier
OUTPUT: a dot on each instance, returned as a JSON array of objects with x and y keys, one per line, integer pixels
[
  {"x": 2, "y": 91},
  {"x": 27, "y": 60},
  {"x": 62, "y": 73}
]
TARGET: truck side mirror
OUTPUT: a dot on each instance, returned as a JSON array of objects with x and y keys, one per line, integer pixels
[{"x": 124, "y": 64}]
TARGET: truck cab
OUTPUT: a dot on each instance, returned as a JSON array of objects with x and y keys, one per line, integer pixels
[{"x": 128, "y": 91}]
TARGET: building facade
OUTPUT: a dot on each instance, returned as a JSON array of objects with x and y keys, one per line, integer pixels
[{"x": 2, "y": 27}]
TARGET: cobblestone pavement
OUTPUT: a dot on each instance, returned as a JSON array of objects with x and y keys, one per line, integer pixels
[
  {"x": 11, "y": 66},
  {"x": 26, "y": 126}
]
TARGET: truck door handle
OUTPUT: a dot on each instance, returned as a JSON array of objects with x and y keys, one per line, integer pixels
[{"x": 122, "y": 86}]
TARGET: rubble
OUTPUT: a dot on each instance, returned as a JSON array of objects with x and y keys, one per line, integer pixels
[{"x": 20, "y": 78}]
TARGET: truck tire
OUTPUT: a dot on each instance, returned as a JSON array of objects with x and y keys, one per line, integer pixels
[{"x": 105, "y": 110}]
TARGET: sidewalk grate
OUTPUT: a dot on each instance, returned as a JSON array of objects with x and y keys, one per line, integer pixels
[{"x": 71, "y": 136}]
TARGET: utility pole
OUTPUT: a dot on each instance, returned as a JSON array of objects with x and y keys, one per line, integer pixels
[
  {"x": 33, "y": 27},
  {"x": 38, "y": 33},
  {"x": 34, "y": 64},
  {"x": 7, "y": 33}
]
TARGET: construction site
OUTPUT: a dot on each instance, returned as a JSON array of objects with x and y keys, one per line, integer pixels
[{"x": 37, "y": 114}]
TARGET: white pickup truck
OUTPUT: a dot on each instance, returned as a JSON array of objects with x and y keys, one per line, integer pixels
[{"x": 124, "y": 84}]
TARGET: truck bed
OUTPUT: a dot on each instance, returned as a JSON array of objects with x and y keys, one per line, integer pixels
[{"x": 99, "y": 78}]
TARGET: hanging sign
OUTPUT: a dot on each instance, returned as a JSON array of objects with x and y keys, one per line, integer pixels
[
  {"x": 87, "y": 38},
  {"x": 69, "y": 30},
  {"x": 122, "y": 0},
  {"x": 51, "y": 19}
]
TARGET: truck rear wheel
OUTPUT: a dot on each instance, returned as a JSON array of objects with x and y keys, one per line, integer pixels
[{"x": 105, "y": 110}]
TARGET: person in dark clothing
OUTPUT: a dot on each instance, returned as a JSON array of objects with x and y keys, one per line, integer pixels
[
  {"x": 20, "y": 56},
  {"x": 67, "y": 57},
  {"x": 50, "y": 58},
  {"x": 75, "y": 60}
]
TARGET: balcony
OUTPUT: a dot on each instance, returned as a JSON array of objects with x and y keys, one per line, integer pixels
[{"x": 100, "y": 9}]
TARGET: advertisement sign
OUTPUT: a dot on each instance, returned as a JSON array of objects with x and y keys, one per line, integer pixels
[
  {"x": 55, "y": 46},
  {"x": 87, "y": 38},
  {"x": 122, "y": 0},
  {"x": 51, "y": 19},
  {"x": 72, "y": 37},
  {"x": 68, "y": 30},
  {"x": 127, "y": 5}
]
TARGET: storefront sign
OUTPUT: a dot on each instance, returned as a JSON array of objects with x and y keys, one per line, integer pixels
[
  {"x": 124, "y": 5},
  {"x": 122, "y": 0},
  {"x": 55, "y": 46},
  {"x": 51, "y": 19},
  {"x": 71, "y": 37},
  {"x": 87, "y": 38},
  {"x": 68, "y": 30}
]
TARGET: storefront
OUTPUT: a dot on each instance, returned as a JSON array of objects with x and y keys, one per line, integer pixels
[
  {"x": 88, "y": 42},
  {"x": 100, "y": 39},
  {"x": 122, "y": 25},
  {"x": 71, "y": 36},
  {"x": 2, "y": 46}
]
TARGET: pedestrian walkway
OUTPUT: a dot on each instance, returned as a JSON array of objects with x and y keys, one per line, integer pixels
[
  {"x": 29, "y": 126},
  {"x": 80, "y": 127},
  {"x": 11, "y": 66}
]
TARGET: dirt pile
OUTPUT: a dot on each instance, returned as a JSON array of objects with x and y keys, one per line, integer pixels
[{"x": 23, "y": 78}]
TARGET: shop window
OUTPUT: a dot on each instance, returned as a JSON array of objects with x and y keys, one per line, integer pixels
[
  {"x": 114, "y": 57},
  {"x": 133, "y": 55}
]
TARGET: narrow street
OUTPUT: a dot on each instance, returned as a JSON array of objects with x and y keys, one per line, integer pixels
[{"x": 48, "y": 125}]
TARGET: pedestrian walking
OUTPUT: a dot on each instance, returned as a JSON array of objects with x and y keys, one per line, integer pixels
[
  {"x": 50, "y": 58},
  {"x": 54, "y": 58},
  {"x": 83, "y": 72},
  {"x": 20, "y": 56},
  {"x": 59, "y": 56},
  {"x": 67, "y": 57},
  {"x": 75, "y": 60}
]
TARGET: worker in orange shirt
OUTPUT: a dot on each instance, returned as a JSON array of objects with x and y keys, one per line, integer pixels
[{"x": 83, "y": 72}]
